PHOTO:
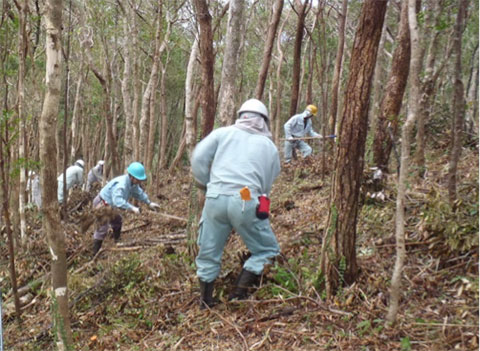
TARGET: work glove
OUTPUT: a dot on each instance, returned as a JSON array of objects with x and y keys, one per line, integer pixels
[
  {"x": 290, "y": 140},
  {"x": 153, "y": 205},
  {"x": 135, "y": 210}
]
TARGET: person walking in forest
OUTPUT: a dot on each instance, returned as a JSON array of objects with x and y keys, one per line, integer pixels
[
  {"x": 34, "y": 190},
  {"x": 116, "y": 194},
  {"x": 74, "y": 176},
  {"x": 236, "y": 166},
  {"x": 95, "y": 175},
  {"x": 299, "y": 126}
]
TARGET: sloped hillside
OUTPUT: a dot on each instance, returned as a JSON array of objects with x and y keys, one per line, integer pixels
[{"x": 143, "y": 294}]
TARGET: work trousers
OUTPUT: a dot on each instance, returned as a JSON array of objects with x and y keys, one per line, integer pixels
[
  {"x": 220, "y": 214},
  {"x": 102, "y": 230},
  {"x": 304, "y": 148}
]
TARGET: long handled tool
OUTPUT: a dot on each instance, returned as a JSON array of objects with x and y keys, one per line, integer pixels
[{"x": 311, "y": 138}]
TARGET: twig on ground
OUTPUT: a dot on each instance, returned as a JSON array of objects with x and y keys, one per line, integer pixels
[{"x": 245, "y": 344}]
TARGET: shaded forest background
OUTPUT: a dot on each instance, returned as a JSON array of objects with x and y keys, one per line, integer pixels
[{"x": 145, "y": 80}]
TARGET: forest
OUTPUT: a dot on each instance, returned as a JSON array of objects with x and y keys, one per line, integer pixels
[{"x": 378, "y": 228}]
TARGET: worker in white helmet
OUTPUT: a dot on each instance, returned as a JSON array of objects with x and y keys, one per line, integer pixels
[
  {"x": 236, "y": 165},
  {"x": 74, "y": 176},
  {"x": 95, "y": 175}
]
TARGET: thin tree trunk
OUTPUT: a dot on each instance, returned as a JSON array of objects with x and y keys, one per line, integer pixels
[
  {"x": 427, "y": 83},
  {"x": 111, "y": 154},
  {"x": 180, "y": 151},
  {"x": 5, "y": 162},
  {"x": 267, "y": 49},
  {"x": 48, "y": 157},
  {"x": 471, "y": 122},
  {"x": 204, "y": 20},
  {"x": 276, "y": 116},
  {"x": 458, "y": 103},
  {"x": 136, "y": 84},
  {"x": 190, "y": 98},
  {"x": 378, "y": 79},
  {"x": 228, "y": 91},
  {"x": 66, "y": 94},
  {"x": 395, "y": 89},
  {"x": 128, "y": 144},
  {"x": 340, "y": 265},
  {"x": 302, "y": 10},
  {"x": 332, "y": 121},
  {"x": 152, "y": 91},
  {"x": 162, "y": 159},
  {"x": 76, "y": 141},
  {"x": 413, "y": 110},
  {"x": 23, "y": 148}
]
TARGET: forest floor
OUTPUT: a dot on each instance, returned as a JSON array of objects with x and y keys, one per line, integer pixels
[{"x": 142, "y": 294}]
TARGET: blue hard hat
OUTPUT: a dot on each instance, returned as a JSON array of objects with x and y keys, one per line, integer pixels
[{"x": 136, "y": 170}]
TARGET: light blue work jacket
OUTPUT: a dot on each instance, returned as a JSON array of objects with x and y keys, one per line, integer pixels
[
  {"x": 230, "y": 158},
  {"x": 119, "y": 190},
  {"x": 295, "y": 127}
]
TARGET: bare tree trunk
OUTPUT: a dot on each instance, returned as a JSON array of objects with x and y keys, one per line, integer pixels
[
  {"x": 207, "y": 59},
  {"x": 458, "y": 103},
  {"x": 340, "y": 265},
  {"x": 111, "y": 154},
  {"x": 128, "y": 143},
  {"x": 228, "y": 91},
  {"x": 413, "y": 110},
  {"x": 276, "y": 116},
  {"x": 180, "y": 151},
  {"x": 190, "y": 98},
  {"x": 302, "y": 10},
  {"x": 378, "y": 79},
  {"x": 267, "y": 49},
  {"x": 162, "y": 159},
  {"x": 136, "y": 84},
  {"x": 66, "y": 94},
  {"x": 76, "y": 141},
  {"x": 471, "y": 118},
  {"x": 76, "y": 135},
  {"x": 148, "y": 96},
  {"x": 427, "y": 83},
  {"x": 332, "y": 121},
  {"x": 5, "y": 162},
  {"x": 48, "y": 157},
  {"x": 394, "y": 91},
  {"x": 23, "y": 147}
]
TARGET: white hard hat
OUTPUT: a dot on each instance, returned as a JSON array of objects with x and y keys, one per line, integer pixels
[
  {"x": 254, "y": 105},
  {"x": 80, "y": 163},
  {"x": 101, "y": 162}
]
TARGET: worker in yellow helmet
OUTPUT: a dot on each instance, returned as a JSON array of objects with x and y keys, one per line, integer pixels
[{"x": 299, "y": 126}]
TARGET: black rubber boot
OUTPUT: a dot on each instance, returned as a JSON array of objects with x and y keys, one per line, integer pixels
[
  {"x": 97, "y": 244},
  {"x": 206, "y": 292},
  {"x": 116, "y": 236},
  {"x": 244, "y": 281}
]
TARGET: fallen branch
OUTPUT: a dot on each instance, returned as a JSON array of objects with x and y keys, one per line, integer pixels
[
  {"x": 245, "y": 344},
  {"x": 170, "y": 216},
  {"x": 446, "y": 325}
]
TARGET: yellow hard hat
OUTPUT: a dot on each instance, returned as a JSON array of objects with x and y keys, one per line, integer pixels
[{"x": 312, "y": 109}]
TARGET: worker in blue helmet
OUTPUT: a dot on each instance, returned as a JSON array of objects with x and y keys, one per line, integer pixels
[{"x": 116, "y": 194}]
